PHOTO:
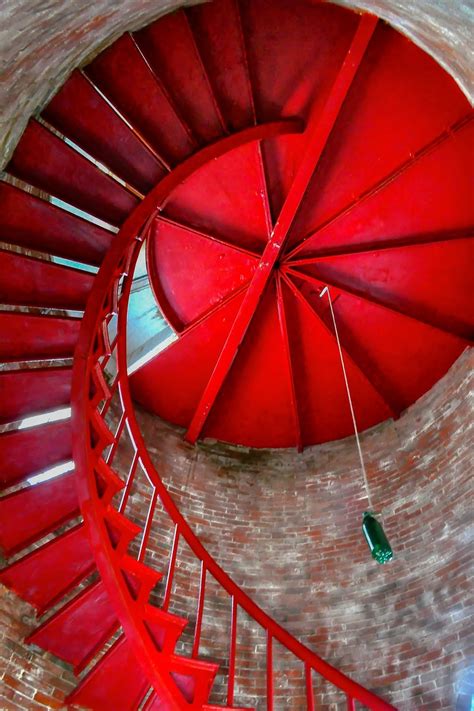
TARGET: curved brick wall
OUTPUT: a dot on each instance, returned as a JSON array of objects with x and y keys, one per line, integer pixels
[
  {"x": 287, "y": 527},
  {"x": 409, "y": 619}
]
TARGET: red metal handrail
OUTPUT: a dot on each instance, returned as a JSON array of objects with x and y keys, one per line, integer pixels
[{"x": 92, "y": 350}]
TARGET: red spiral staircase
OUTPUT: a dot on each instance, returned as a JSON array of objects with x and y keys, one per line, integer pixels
[{"x": 263, "y": 149}]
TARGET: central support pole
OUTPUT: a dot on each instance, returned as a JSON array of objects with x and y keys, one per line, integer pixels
[{"x": 318, "y": 132}]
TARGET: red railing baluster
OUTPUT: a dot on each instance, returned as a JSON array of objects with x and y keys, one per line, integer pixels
[
  {"x": 200, "y": 610},
  {"x": 104, "y": 299},
  {"x": 107, "y": 404},
  {"x": 169, "y": 580},
  {"x": 232, "y": 651},
  {"x": 269, "y": 671},
  {"x": 118, "y": 433},
  {"x": 309, "y": 687},
  {"x": 129, "y": 482},
  {"x": 149, "y": 520}
]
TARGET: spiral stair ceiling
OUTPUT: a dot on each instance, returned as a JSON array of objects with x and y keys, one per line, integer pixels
[
  {"x": 386, "y": 222},
  {"x": 306, "y": 146}
]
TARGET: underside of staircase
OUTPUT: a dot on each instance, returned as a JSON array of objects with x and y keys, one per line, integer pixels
[{"x": 257, "y": 151}]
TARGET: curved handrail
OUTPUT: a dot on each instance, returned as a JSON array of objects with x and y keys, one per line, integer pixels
[{"x": 120, "y": 262}]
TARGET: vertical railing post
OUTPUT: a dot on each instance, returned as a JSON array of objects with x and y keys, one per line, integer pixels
[
  {"x": 232, "y": 651},
  {"x": 200, "y": 610},
  {"x": 269, "y": 671},
  {"x": 129, "y": 482},
  {"x": 309, "y": 687},
  {"x": 169, "y": 580},
  {"x": 149, "y": 519}
]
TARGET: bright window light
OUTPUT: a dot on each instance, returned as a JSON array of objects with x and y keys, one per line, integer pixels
[
  {"x": 152, "y": 353},
  {"x": 46, "y": 417},
  {"x": 52, "y": 472}
]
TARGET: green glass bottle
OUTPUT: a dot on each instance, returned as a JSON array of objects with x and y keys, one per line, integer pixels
[{"x": 376, "y": 538}]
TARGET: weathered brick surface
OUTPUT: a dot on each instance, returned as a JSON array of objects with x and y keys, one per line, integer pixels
[
  {"x": 288, "y": 528},
  {"x": 29, "y": 678}
]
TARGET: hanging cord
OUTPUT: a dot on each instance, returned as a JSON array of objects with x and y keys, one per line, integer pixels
[{"x": 354, "y": 422}]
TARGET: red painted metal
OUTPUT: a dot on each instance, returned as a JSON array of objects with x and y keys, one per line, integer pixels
[
  {"x": 36, "y": 337},
  {"x": 218, "y": 205},
  {"x": 29, "y": 451},
  {"x": 31, "y": 513},
  {"x": 80, "y": 628},
  {"x": 68, "y": 555},
  {"x": 147, "y": 529},
  {"x": 168, "y": 46},
  {"x": 109, "y": 560},
  {"x": 419, "y": 173},
  {"x": 273, "y": 629},
  {"x": 33, "y": 282},
  {"x": 125, "y": 77},
  {"x": 318, "y": 133},
  {"x": 171, "y": 568},
  {"x": 352, "y": 346},
  {"x": 46, "y": 162},
  {"x": 27, "y": 392},
  {"x": 79, "y": 112},
  {"x": 109, "y": 685},
  {"x": 219, "y": 37},
  {"x": 286, "y": 345},
  {"x": 232, "y": 653},
  {"x": 27, "y": 221},
  {"x": 187, "y": 288},
  {"x": 309, "y": 688},
  {"x": 269, "y": 675},
  {"x": 200, "y": 610}
]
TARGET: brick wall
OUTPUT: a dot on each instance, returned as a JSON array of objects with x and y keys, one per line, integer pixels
[
  {"x": 287, "y": 527},
  {"x": 292, "y": 522}
]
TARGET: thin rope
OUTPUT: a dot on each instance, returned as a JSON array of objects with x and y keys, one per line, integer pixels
[{"x": 354, "y": 422}]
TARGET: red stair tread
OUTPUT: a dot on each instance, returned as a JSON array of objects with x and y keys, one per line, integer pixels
[
  {"x": 46, "y": 162},
  {"x": 164, "y": 627},
  {"x": 28, "y": 221},
  {"x": 80, "y": 628},
  {"x": 79, "y": 112},
  {"x": 189, "y": 287},
  {"x": 323, "y": 404},
  {"x": 193, "y": 677},
  {"x": 217, "y": 32},
  {"x": 140, "y": 577},
  {"x": 33, "y": 282},
  {"x": 28, "y": 337},
  {"x": 115, "y": 682},
  {"x": 32, "y": 512},
  {"x": 257, "y": 389},
  {"x": 29, "y": 451},
  {"x": 124, "y": 76},
  {"x": 434, "y": 192},
  {"x": 169, "y": 47},
  {"x": 379, "y": 129},
  {"x": 26, "y": 392},
  {"x": 226, "y": 198},
  {"x": 180, "y": 385},
  {"x": 121, "y": 530},
  {"x": 404, "y": 370},
  {"x": 49, "y": 572},
  {"x": 393, "y": 276}
]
